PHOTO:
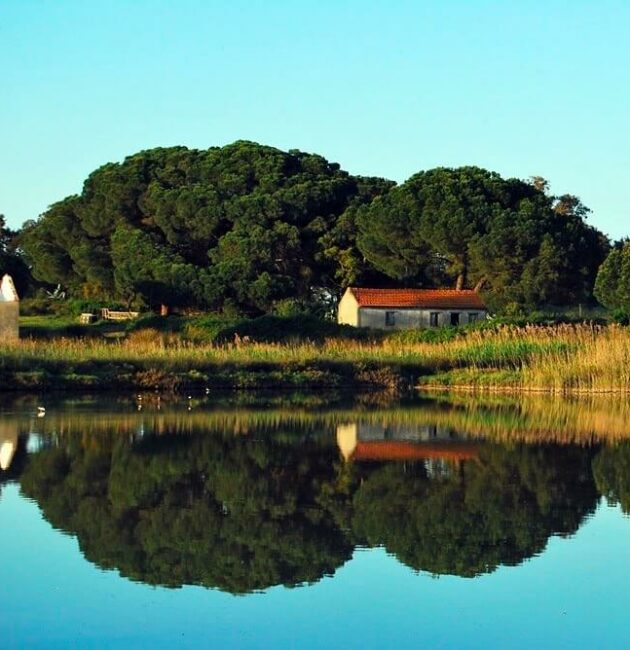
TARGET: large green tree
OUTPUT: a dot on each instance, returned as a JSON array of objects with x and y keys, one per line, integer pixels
[
  {"x": 470, "y": 227},
  {"x": 245, "y": 225},
  {"x": 612, "y": 286}
]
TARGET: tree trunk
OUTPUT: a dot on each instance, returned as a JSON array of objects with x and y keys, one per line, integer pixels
[
  {"x": 479, "y": 286},
  {"x": 164, "y": 310},
  {"x": 459, "y": 285}
]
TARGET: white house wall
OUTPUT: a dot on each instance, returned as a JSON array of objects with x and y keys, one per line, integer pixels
[
  {"x": 413, "y": 318},
  {"x": 348, "y": 310},
  {"x": 9, "y": 310}
]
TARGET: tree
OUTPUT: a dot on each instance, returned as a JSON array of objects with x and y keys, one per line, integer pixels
[
  {"x": 11, "y": 261},
  {"x": 470, "y": 227},
  {"x": 145, "y": 270},
  {"x": 612, "y": 286},
  {"x": 243, "y": 225}
]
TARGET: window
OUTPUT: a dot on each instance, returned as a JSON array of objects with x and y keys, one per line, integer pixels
[
  {"x": 433, "y": 318},
  {"x": 473, "y": 317},
  {"x": 390, "y": 318},
  {"x": 454, "y": 318}
]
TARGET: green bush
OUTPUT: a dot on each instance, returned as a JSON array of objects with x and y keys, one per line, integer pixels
[
  {"x": 154, "y": 322},
  {"x": 42, "y": 306},
  {"x": 269, "y": 329},
  {"x": 281, "y": 328},
  {"x": 206, "y": 329},
  {"x": 621, "y": 317}
]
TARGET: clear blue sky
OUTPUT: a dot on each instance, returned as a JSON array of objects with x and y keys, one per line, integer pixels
[{"x": 384, "y": 88}]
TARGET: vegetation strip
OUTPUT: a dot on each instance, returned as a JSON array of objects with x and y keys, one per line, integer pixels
[{"x": 561, "y": 359}]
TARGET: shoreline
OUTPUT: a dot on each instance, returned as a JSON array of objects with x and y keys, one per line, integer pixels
[{"x": 319, "y": 377}]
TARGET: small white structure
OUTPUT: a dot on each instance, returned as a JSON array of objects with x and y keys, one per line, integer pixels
[
  {"x": 410, "y": 308},
  {"x": 9, "y": 310}
]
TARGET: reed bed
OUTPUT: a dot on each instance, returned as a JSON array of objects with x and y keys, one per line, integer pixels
[{"x": 559, "y": 359}]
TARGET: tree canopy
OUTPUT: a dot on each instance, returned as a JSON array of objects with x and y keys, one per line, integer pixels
[
  {"x": 244, "y": 225},
  {"x": 247, "y": 227},
  {"x": 612, "y": 285},
  {"x": 10, "y": 260},
  {"x": 470, "y": 227}
]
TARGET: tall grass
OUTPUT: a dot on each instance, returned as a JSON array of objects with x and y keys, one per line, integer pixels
[{"x": 561, "y": 359}]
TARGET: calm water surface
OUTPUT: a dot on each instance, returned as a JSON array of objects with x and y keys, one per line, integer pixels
[{"x": 277, "y": 522}]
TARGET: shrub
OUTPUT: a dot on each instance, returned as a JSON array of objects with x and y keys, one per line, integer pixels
[
  {"x": 153, "y": 322},
  {"x": 271, "y": 329},
  {"x": 621, "y": 317}
]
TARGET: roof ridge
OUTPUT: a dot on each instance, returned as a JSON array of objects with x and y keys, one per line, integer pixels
[{"x": 420, "y": 297}]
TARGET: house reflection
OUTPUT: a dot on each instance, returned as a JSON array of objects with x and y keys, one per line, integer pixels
[
  {"x": 8, "y": 443},
  {"x": 439, "y": 447}
]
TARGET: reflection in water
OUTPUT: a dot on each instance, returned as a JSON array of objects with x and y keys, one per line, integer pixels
[
  {"x": 12, "y": 451},
  {"x": 239, "y": 514},
  {"x": 363, "y": 442},
  {"x": 611, "y": 469},
  {"x": 8, "y": 445},
  {"x": 243, "y": 499},
  {"x": 499, "y": 509}
]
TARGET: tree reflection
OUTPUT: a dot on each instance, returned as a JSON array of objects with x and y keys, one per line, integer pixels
[
  {"x": 243, "y": 513},
  {"x": 237, "y": 514},
  {"x": 611, "y": 470},
  {"x": 498, "y": 510}
]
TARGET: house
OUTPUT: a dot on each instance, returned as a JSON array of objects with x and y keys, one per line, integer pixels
[
  {"x": 410, "y": 308},
  {"x": 9, "y": 310}
]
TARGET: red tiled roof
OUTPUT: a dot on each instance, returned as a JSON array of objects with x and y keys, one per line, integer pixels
[
  {"x": 437, "y": 298},
  {"x": 380, "y": 450}
]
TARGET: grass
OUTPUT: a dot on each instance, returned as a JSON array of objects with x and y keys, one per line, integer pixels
[
  {"x": 558, "y": 359},
  {"x": 53, "y": 327}
]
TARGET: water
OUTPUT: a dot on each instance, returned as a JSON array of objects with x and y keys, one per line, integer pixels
[{"x": 278, "y": 522}]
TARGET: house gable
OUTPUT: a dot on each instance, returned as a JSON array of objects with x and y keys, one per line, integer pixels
[{"x": 348, "y": 310}]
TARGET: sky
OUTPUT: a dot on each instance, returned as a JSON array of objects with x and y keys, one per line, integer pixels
[{"x": 383, "y": 88}]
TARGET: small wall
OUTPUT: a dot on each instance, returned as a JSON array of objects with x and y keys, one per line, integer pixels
[
  {"x": 9, "y": 319},
  {"x": 413, "y": 318},
  {"x": 348, "y": 310}
]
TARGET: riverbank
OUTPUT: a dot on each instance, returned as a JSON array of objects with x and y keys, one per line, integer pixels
[{"x": 559, "y": 359}]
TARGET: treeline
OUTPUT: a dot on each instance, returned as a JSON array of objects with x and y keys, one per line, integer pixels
[{"x": 250, "y": 229}]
